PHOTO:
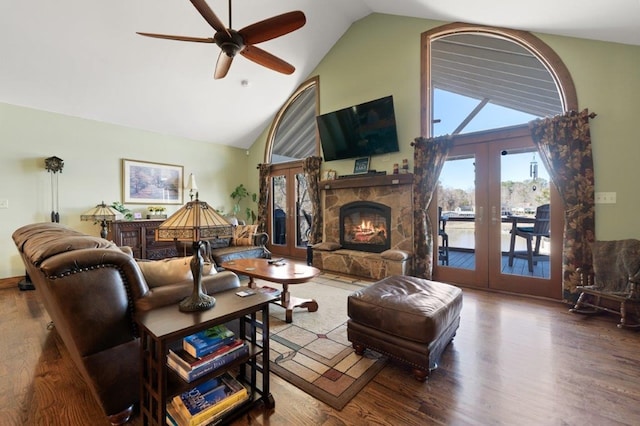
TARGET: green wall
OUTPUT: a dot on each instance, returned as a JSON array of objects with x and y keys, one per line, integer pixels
[
  {"x": 380, "y": 55},
  {"x": 92, "y": 152}
]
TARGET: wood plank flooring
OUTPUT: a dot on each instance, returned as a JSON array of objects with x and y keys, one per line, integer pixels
[{"x": 514, "y": 361}]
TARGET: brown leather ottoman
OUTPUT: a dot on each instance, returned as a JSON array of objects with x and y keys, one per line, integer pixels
[{"x": 408, "y": 318}]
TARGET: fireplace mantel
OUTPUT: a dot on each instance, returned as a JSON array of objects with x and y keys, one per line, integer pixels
[{"x": 365, "y": 181}]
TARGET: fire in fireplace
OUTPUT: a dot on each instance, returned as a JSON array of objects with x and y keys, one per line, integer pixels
[{"x": 365, "y": 226}]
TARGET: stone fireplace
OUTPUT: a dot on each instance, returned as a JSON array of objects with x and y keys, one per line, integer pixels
[{"x": 383, "y": 244}]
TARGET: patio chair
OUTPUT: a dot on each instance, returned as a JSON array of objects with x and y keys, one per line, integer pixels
[
  {"x": 611, "y": 283},
  {"x": 539, "y": 229},
  {"x": 443, "y": 250}
]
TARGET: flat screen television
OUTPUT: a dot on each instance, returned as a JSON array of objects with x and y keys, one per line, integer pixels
[{"x": 359, "y": 131}]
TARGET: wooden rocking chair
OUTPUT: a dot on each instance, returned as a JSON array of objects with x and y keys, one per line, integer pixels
[{"x": 612, "y": 283}]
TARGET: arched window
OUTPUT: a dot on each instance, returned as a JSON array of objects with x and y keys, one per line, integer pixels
[
  {"x": 293, "y": 134},
  {"x": 480, "y": 78}
]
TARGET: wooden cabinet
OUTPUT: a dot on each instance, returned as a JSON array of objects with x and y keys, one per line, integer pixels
[
  {"x": 159, "y": 328},
  {"x": 140, "y": 236}
]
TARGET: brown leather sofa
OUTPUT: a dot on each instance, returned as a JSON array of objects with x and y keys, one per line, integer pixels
[{"x": 92, "y": 290}]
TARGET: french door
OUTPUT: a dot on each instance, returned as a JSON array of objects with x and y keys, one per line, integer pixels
[
  {"x": 290, "y": 213},
  {"x": 489, "y": 180}
]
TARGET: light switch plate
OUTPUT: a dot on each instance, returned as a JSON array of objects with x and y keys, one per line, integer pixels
[
  {"x": 4, "y": 203},
  {"x": 605, "y": 197}
]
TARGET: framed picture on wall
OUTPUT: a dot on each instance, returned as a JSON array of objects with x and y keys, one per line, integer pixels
[
  {"x": 361, "y": 165},
  {"x": 151, "y": 183}
]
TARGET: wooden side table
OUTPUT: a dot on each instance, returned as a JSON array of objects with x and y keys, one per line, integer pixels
[{"x": 159, "y": 328}]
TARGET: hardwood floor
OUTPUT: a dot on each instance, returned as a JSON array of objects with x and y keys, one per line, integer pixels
[{"x": 514, "y": 361}]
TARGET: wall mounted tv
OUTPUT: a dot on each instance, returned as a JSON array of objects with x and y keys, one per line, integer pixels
[{"x": 359, "y": 131}]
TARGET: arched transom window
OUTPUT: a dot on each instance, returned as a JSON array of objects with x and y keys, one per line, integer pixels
[{"x": 480, "y": 78}]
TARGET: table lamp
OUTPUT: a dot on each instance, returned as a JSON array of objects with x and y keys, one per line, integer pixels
[
  {"x": 194, "y": 222},
  {"x": 103, "y": 214}
]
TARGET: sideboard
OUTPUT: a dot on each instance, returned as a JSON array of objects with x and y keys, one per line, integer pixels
[{"x": 140, "y": 236}]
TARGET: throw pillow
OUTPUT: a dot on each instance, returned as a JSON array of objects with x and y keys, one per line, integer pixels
[
  {"x": 166, "y": 271},
  {"x": 243, "y": 235},
  {"x": 169, "y": 271},
  {"x": 398, "y": 255},
  {"x": 209, "y": 268}
]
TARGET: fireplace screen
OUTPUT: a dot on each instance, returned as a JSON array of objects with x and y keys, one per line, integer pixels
[{"x": 365, "y": 226}]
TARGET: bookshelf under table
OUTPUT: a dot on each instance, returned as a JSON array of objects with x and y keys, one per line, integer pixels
[{"x": 158, "y": 328}]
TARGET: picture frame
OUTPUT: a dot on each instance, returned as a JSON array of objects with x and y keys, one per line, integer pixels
[
  {"x": 361, "y": 166},
  {"x": 329, "y": 175},
  {"x": 145, "y": 182}
]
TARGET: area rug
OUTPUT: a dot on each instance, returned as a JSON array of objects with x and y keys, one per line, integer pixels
[{"x": 313, "y": 352}]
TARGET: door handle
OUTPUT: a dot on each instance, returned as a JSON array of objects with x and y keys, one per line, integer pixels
[{"x": 494, "y": 214}]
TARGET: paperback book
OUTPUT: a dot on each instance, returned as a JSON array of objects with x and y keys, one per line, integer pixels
[
  {"x": 189, "y": 374},
  {"x": 209, "y": 399},
  {"x": 207, "y": 341},
  {"x": 188, "y": 362}
]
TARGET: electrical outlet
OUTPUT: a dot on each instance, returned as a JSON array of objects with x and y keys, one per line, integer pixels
[
  {"x": 605, "y": 197},
  {"x": 4, "y": 203}
]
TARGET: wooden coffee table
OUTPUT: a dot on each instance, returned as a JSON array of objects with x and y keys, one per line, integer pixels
[{"x": 283, "y": 273}]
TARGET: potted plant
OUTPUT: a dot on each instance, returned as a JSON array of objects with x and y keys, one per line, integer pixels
[
  {"x": 239, "y": 194},
  {"x": 157, "y": 212},
  {"x": 128, "y": 215}
]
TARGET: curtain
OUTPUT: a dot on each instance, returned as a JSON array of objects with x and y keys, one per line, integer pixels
[
  {"x": 564, "y": 143},
  {"x": 263, "y": 197},
  {"x": 429, "y": 156},
  {"x": 311, "y": 169}
]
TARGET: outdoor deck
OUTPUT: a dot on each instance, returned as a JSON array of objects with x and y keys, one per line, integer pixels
[{"x": 466, "y": 260}]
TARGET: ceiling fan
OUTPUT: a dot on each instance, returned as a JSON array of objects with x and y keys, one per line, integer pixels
[{"x": 232, "y": 42}]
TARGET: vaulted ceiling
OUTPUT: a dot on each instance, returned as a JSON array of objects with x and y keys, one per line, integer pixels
[{"x": 84, "y": 59}]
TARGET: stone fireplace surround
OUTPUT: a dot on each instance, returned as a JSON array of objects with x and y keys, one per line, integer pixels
[{"x": 394, "y": 191}]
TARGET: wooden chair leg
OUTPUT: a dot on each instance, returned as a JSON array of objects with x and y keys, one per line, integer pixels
[
  {"x": 529, "y": 254},
  {"x": 512, "y": 247}
]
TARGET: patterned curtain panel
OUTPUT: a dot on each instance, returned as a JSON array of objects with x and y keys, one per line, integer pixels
[
  {"x": 429, "y": 156},
  {"x": 311, "y": 169},
  {"x": 564, "y": 143},
  {"x": 263, "y": 197}
]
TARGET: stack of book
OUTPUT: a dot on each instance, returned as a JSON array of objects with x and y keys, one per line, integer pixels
[
  {"x": 204, "y": 352},
  {"x": 206, "y": 403}
]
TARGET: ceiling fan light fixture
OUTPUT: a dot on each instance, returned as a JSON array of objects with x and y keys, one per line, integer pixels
[{"x": 230, "y": 48}]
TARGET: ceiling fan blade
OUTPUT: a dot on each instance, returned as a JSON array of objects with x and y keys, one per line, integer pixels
[
  {"x": 222, "y": 66},
  {"x": 209, "y": 16},
  {"x": 273, "y": 27},
  {"x": 266, "y": 59},
  {"x": 179, "y": 38}
]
